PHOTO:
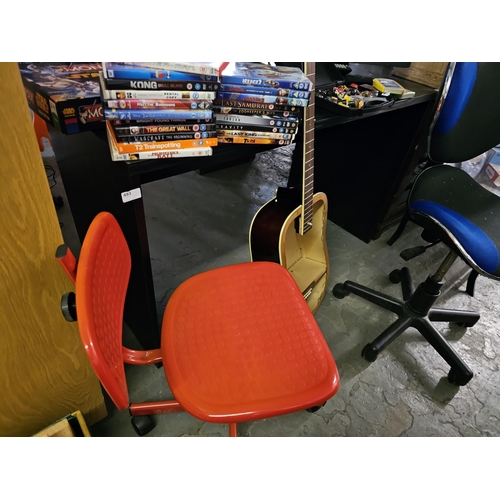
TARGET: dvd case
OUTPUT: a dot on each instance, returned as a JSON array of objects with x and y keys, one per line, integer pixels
[
  {"x": 154, "y": 114},
  {"x": 153, "y": 93},
  {"x": 251, "y": 140},
  {"x": 262, "y": 128},
  {"x": 128, "y": 139},
  {"x": 276, "y": 91},
  {"x": 158, "y": 84},
  {"x": 160, "y": 155},
  {"x": 154, "y": 104},
  {"x": 254, "y": 111},
  {"x": 175, "y": 121},
  {"x": 200, "y": 68},
  {"x": 259, "y": 106},
  {"x": 265, "y": 75},
  {"x": 262, "y": 120},
  {"x": 260, "y": 98},
  {"x": 256, "y": 134},
  {"x": 162, "y": 129},
  {"x": 113, "y": 70}
]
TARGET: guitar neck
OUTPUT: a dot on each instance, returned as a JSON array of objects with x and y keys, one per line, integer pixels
[{"x": 308, "y": 155}]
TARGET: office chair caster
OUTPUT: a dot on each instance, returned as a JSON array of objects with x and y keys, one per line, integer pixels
[
  {"x": 369, "y": 353},
  {"x": 395, "y": 276},
  {"x": 142, "y": 424},
  {"x": 458, "y": 378},
  {"x": 339, "y": 292},
  {"x": 314, "y": 409},
  {"x": 466, "y": 324}
]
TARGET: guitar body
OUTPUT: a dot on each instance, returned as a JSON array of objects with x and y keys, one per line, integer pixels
[
  {"x": 291, "y": 228},
  {"x": 274, "y": 237}
]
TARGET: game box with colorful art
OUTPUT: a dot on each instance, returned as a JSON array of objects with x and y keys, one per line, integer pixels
[{"x": 65, "y": 95}]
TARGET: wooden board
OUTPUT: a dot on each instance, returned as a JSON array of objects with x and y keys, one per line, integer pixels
[
  {"x": 60, "y": 429},
  {"x": 63, "y": 428},
  {"x": 426, "y": 73},
  {"x": 44, "y": 371}
]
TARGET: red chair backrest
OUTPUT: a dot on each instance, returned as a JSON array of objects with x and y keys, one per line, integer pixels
[{"x": 101, "y": 285}]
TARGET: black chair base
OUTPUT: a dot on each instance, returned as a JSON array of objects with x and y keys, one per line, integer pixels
[{"x": 415, "y": 310}]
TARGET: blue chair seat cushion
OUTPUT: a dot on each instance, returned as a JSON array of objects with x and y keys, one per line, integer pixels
[{"x": 478, "y": 245}]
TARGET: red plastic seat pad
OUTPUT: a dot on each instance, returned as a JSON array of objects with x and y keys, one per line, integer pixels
[{"x": 240, "y": 343}]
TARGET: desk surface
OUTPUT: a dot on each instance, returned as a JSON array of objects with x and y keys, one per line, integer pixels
[{"x": 325, "y": 119}]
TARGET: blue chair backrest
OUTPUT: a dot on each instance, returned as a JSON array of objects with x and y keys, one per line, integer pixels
[{"x": 468, "y": 121}]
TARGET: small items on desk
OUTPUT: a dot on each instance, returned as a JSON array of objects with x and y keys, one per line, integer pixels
[
  {"x": 407, "y": 94},
  {"x": 354, "y": 100},
  {"x": 392, "y": 87},
  {"x": 388, "y": 85}
]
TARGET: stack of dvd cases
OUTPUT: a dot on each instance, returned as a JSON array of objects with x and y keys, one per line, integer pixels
[
  {"x": 260, "y": 104},
  {"x": 159, "y": 109}
]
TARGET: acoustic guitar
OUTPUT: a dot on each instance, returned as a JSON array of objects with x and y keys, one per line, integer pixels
[{"x": 290, "y": 229}]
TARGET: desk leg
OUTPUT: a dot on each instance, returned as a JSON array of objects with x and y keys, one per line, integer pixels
[
  {"x": 93, "y": 183},
  {"x": 297, "y": 165}
]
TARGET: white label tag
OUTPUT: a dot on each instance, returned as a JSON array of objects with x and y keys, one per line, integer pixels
[{"x": 131, "y": 195}]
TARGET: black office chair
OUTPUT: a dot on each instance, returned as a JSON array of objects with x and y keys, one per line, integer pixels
[{"x": 452, "y": 208}]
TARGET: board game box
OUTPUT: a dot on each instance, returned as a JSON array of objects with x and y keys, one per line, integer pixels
[{"x": 66, "y": 95}]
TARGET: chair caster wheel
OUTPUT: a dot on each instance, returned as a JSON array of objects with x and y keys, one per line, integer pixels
[
  {"x": 459, "y": 378},
  {"x": 395, "y": 276},
  {"x": 339, "y": 292},
  {"x": 314, "y": 409},
  {"x": 466, "y": 324},
  {"x": 58, "y": 201},
  {"x": 369, "y": 353},
  {"x": 143, "y": 424}
]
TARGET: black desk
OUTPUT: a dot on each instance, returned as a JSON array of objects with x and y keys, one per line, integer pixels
[
  {"x": 93, "y": 183},
  {"x": 365, "y": 165}
]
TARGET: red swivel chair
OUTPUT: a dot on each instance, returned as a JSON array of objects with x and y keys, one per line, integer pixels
[
  {"x": 238, "y": 343},
  {"x": 41, "y": 131}
]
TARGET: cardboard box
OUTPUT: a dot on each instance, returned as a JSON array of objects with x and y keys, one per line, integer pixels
[{"x": 65, "y": 95}]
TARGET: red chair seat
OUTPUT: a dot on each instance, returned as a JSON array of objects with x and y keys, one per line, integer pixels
[{"x": 239, "y": 343}]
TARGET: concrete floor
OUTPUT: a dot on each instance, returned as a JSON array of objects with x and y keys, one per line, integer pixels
[{"x": 199, "y": 222}]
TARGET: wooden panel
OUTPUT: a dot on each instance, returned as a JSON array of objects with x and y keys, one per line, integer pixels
[
  {"x": 44, "y": 372},
  {"x": 425, "y": 73},
  {"x": 73, "y": 425}
]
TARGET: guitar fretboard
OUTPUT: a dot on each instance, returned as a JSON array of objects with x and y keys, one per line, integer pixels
[{"x": 308, "y": 155}]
